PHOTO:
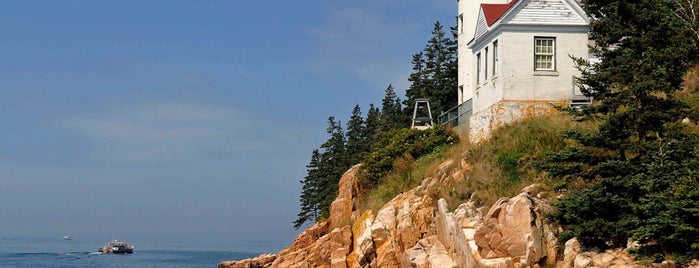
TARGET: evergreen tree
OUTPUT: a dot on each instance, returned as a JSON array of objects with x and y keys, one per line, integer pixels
[
  {"x": 687, "y": 11},
  {"x": 635, "y": 159},
  {"x": 371, "y": 131},
  {"x": 356, "y": 139},
  {"x": 310, "y": 204},
  {"x": 333, "y": 163},
  {"x": 434, "y": 73},
  {"x": 392, "y": 116},
  {"x": 324, "y": 172},
  {"x": 418, "y": 79}
]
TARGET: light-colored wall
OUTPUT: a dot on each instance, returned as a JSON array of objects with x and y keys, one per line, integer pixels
[
  {"x": 489, "y": 91},
  {"x": 483, "y": 123},
  {"x": 468, "y": 9},
  {"x": 516, "y": 91},
  {"x": 516, "y": 78}
]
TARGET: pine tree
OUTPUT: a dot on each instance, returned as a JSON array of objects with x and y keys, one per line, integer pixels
[
  {"x": 324, "y": 172},
  {"x": 371, "y": 131},
  {"x": 392, "y": 116},
  {"x": 333, "y": 163},
  {"x": 418, "y": 78},
  {"x": 687, "y": 11},
  {"x": 356, "y": 140},
  {"x": 634, "y": 160},
  {"x": 310, "y": 205},
  {"x": 434, "y": 73}
]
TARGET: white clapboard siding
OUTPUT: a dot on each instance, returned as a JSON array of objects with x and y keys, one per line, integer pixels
[
  {"x": 547, "y": 12},
  {"x": 481, "y": 25}
]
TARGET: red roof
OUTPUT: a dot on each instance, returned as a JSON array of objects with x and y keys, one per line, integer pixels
[{"x": 493, "y": 12}]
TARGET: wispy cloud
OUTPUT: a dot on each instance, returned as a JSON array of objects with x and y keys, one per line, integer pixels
[
  {"x": 160, "y": 131},
  {"x": 361, "y": 43}
]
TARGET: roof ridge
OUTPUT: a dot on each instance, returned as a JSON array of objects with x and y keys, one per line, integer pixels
[{"x": 493, "y": 12}]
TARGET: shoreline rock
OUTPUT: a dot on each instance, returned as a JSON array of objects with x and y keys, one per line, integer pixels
[{"x": 413, "y": 230}]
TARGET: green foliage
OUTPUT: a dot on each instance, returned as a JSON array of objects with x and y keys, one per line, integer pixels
[
  {"x": 659, "y": 202},
  {"x": 356, "y": 136},
  {"x": 324, "y": 172},
  {"x": 403, "y": 143},
  {"x": 391, "y": 116},
  {"x": 509, "y": 163},
  {"x": 639, "y": 166},
  {"x": 372, "y": 125},
  {"x": 437, "y": 69},
  {"x": 434, "y": 74},
  {"x": 310, "y": 199}
]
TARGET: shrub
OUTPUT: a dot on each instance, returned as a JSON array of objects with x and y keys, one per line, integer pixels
[{"x": 401, "y": 145}]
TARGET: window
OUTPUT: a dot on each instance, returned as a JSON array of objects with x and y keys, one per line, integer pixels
[
  {"x": 495, "y": 57},
  {"x": 461, "y": 23},
  {"x": 485, "y": 73},
  {"x": 544, "y": 54},
  {"x": 478, "y": 68}
]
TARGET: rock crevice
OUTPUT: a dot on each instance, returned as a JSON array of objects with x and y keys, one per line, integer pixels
[{"x": 413, "y": 230}]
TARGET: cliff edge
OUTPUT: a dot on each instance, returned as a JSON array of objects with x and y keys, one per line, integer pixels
[{"x": 414, "y": 230}]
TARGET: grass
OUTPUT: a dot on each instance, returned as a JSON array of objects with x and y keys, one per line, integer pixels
[
  {"x": 503, "y": 165},
  {"x": 500, "y": 167},
  {"x": 408, "y": 173}
]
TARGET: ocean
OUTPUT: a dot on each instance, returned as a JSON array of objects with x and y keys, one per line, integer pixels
[{"x": 42, "y": 252}]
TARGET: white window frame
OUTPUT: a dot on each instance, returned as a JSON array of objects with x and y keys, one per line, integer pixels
[
  {"x": 495, "y": 57},
  {"x": 544, "y": 53},
  {"x": 478, "y": 68},
  {"x": 485, "y": 62}
]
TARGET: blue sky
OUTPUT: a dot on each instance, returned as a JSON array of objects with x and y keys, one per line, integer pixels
[{"x": 187, "y": 119}]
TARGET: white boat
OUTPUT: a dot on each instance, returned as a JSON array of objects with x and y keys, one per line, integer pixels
[
  {"x": 116, "y": 247},
  {"x": 67, "y": 237}
]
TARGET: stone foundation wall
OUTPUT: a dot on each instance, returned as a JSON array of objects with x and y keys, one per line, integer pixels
[{"x": 506, "y": 112}]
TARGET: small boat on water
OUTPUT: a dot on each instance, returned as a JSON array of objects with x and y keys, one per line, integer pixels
[
  {"x": 67, "y": 237},
  {"x": 116, "y": 247}
]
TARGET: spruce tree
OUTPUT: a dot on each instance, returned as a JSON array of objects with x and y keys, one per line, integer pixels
[
  {"x": 371, "y": 131},
  {"x": 687, "y": 11},
  {"x": 434, "y": 74},
  {"x": 310, "y": 203},
  {"x": 392, "y": 116},
  {"x": 418, "y": 79},
  {"x": 633, "y": 162},
  {"x": 333, "y": 163},
  {"x": 356, "y": 139}
]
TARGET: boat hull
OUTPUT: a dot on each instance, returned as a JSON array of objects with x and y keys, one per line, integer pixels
[
  {"x": 116, "y": 247},
  {"x": 116, "y": 251}
]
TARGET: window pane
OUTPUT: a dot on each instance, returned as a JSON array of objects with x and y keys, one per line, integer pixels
[
  {"x": 544, "y": 53},
  {"x": 544, "y": 62}
]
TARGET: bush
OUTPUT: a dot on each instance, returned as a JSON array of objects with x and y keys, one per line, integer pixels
[{"x": 404, "y": 143}]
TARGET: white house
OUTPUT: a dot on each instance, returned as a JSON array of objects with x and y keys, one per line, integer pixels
[{"x": 514, "y": 59}]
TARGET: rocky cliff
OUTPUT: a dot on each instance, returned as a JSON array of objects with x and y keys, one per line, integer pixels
[{"x": 414, "y": 230}]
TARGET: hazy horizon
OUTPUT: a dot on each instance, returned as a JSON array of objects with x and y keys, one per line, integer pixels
[{"x": 185, "y": 120}]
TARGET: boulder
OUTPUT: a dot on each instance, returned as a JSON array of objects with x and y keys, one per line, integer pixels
[
  {"x": 416, "y": 257},
  {"x": 414, "y": 217},
  {"x": 363, "y": 252},
  {"x": 571, "y": 250},
  {"x": 263, "y": 260},
  {"x": 439, "y": 257},
  {"x": 428, "y": 252},
  {"x": 382, "y": 232},
  {"x": 452, "y": 236},
  {"x": 515, "y": 228},
  {"x": 342, "y": 207}
]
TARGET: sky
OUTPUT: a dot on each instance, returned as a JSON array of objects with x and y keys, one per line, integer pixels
[{"x": 188, "y": 120}]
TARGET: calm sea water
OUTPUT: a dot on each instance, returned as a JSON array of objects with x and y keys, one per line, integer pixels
[{"x": 19, "y": 252}]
